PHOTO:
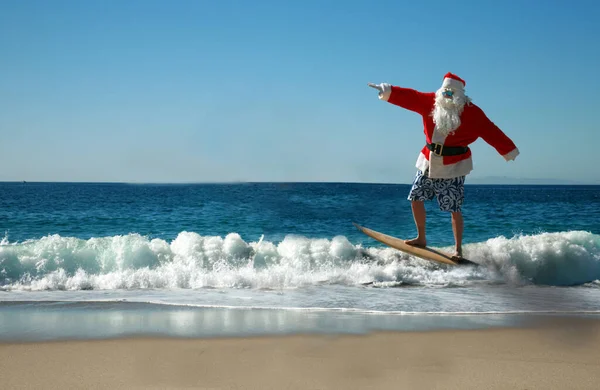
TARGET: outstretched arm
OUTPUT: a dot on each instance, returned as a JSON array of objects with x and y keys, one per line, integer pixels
[
  {"x": 497, "y": 139},
  {"x": 404, "y": 97}
]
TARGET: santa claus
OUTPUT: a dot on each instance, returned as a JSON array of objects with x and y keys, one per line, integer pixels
[{"x": 451, "y": 123}]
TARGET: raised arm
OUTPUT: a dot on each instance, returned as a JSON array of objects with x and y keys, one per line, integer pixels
[
  {"x": 496, "y": 138},
  {"x": 407, "y": 98}
]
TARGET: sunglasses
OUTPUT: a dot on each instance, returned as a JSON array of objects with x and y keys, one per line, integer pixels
[{"x": 448, "y": 93}]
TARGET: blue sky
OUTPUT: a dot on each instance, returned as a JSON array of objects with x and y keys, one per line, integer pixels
[{"x": 196, "y": 91}]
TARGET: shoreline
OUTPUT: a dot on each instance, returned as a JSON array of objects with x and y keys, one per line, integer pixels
[
  {"x": 37, "y": 322},
  {"x": 550, "y": 355}
]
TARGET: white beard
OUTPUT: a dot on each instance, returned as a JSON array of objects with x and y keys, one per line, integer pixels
[{"x": 446, "y": 112}]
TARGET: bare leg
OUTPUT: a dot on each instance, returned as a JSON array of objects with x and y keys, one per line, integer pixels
[
  {"x": 457, "y": 228},
  {"x": 418, "y": 209}
]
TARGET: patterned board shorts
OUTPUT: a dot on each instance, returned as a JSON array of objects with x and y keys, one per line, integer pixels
[{"x": 449, "y": 192}]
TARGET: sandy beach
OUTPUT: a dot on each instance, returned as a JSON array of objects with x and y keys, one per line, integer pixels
[{"x": 558, "y": 355}]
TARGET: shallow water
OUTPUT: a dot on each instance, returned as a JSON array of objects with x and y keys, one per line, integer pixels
[{"x": 259, "y": 252}]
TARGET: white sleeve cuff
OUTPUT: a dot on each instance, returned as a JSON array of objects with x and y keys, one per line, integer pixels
[
  {"x": 387, "y": 91},
  {"x": 512, "y": 155}
]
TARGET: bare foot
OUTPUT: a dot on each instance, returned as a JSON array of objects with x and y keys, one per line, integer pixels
[
  {"x": 457, "y": 256},
  {"x": 416, "y": 242}
]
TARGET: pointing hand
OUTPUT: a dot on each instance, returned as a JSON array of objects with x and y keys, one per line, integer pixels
[{"x": 378, "y": 87}]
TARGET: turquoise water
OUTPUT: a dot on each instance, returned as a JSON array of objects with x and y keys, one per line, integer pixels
[{"x": 292, "y": 248}]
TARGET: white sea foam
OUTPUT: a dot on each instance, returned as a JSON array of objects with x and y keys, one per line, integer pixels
[{"x": 193, "y": 261}]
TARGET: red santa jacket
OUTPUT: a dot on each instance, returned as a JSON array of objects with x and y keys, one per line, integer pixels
[{"x": 474, "y": 124}]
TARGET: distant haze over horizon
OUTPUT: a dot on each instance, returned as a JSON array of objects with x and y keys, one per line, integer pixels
[{"x": 473, "y": 180}]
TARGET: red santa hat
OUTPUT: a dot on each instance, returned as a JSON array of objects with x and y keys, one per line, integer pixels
[{"x": 452, "y": 81}]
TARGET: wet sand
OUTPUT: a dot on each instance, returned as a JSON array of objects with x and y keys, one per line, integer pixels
[{"x": 558, "y": 355}]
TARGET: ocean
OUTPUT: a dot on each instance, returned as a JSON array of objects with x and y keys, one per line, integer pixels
[{"x": 95, "y": 260}]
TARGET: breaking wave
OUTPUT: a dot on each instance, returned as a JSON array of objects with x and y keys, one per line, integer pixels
[{"x": 193, "y": 261}]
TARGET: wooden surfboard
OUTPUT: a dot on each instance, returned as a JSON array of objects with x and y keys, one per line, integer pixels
[{"x": 421, "y": 252}]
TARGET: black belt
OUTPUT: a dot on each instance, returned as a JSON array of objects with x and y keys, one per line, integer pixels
[{"x": 441, "y": 150}]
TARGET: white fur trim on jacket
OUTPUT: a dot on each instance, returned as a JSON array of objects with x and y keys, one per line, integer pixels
[
  {"x": 437, "y": 169},
  {"x": 512, "y": 155}
]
